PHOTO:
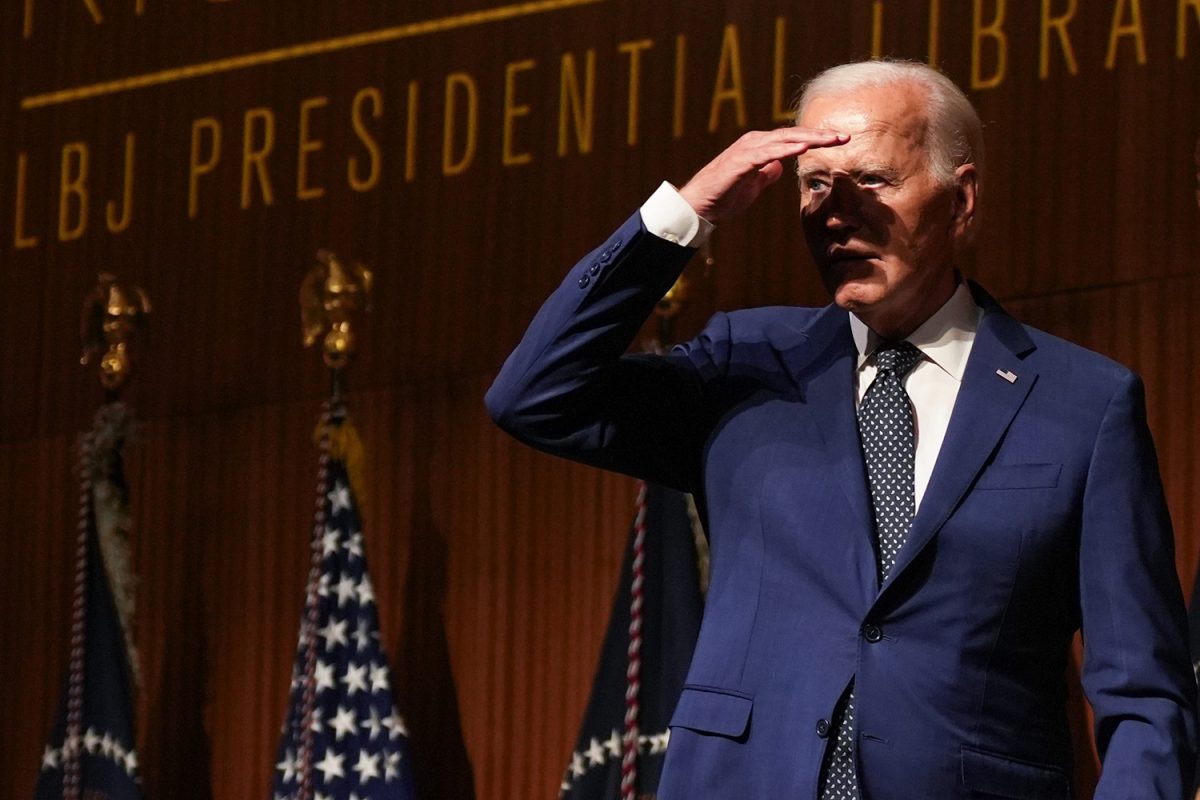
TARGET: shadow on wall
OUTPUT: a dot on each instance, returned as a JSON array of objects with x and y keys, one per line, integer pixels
[{"x": 427, "y": 694}]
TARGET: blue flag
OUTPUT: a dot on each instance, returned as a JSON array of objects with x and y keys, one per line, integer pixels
[
  {"x": 354, "y": 745},
  {"x": 661, "y": 578},
  {"x": 91, "y": 753}
]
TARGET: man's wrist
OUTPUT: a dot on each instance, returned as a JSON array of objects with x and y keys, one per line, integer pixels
[{"x": 668, "y": 216}]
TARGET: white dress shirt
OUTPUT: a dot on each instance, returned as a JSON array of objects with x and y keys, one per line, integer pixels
[{"x": 945, "y": 339}]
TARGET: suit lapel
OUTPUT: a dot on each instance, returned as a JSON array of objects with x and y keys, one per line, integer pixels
[
  {"x": 822, "y": 363},
  {"x": 986, "y": 404}
]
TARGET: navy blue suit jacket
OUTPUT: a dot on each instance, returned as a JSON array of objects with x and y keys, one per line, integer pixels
[{"x": 1044, "y": 513}]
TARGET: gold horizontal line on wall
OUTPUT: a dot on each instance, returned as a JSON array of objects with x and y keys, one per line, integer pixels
[{"x": 278, "y": 54}]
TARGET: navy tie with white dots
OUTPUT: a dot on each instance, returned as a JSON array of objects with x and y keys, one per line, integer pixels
[{"x": 885, "y": 425}]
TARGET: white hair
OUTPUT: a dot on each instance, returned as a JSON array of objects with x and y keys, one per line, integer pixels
[{"x": 954, "y": 134}]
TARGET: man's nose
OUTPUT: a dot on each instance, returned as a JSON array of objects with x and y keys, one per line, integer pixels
[{"x": 842, "y": 207}]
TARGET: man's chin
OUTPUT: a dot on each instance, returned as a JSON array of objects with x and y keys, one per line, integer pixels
[{"x": 856, "y": 296}]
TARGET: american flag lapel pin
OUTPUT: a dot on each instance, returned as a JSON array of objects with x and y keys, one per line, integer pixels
[{"x": 1008, "y": 375}]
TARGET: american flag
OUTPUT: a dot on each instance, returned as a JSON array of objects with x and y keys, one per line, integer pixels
[{"x": 354, "y": 745}]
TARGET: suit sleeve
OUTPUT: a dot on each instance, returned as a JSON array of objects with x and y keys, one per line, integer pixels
[
  {"x": 568, "y": 389},
  {"x": 1136, "y": 670}
]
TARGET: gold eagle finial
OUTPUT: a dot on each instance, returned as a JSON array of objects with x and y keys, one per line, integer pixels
[
  {"x": 333, "y": 297},
  {"x": 112, "y": 312}
]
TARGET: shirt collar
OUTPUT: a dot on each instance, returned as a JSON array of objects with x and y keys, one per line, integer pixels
[{"x": 945, "y": 338}]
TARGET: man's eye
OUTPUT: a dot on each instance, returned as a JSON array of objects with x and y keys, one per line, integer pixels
[
  {"x": 815, "y": 184},
  {"x": 872, "y": 181}
]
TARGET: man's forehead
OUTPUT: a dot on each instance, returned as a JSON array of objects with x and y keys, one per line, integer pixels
[
  {"x": 877, "y": 147},
  {"x": 898, "y": 110}
]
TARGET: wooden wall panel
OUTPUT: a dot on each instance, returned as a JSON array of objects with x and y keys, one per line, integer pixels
[{"x": 494, "y": 566}]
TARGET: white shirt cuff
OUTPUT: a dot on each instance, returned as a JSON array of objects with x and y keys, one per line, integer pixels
[{"x": 668, "y": 216}]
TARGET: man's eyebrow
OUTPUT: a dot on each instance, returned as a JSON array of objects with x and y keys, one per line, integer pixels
[{"x": 885, "y": 170}]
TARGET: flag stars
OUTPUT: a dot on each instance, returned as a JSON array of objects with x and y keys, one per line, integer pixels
[
  {"x": 288, "y": 766},
  {"x": 354, "y": 545},
  {"x": 49, "y": 758},
  {"x": 366, "y": 592},
  {"x": 343, "y": 722},
  {"x": 339, "y": 498},
  {"x": 346, "y": 590},
  {"x": 577, "y": 769},
  {"x": 362, "y": 636},
  {"x": 613, "y": 743},
  {"x": 395, "y": 725},
  {"x": 329, "y": 542},
  {"x": 391, "y": 767},
  {"x": 331, "y": 765},
  {"x": 334, "y": 633},
  {"x": 379, "y": 677},
  {"x": 323, "y": 675},
  {"x": 355, "y": 727},
  {"x": 373, "y": 724},
  {"x": 595, "y": 753},
  {"x": 355, "y": 679},
  {"x": 367, "y": 766}
]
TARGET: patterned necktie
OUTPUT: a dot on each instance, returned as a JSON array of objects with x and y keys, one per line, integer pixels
[{"x": 885, "y": 425}]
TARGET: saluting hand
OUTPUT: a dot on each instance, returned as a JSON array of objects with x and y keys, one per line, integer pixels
[{"x": 728, "y": 184}]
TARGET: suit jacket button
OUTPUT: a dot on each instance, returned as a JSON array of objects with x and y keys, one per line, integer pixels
[
  {"x": 872, "y": 633},
  {"x": 584, "y": 281},
  {"x": 594, "y": 269},
  {"x": 823, "y": 728}
]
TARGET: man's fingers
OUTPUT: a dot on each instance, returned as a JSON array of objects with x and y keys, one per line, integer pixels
[
  {"x": 731, "y": 182},
  {"x": 788, "y": 143},
  {"x": 769, "y": 173}
]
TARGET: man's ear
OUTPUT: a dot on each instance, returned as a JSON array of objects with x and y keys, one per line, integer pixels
[{"x": 966, "y": 197}]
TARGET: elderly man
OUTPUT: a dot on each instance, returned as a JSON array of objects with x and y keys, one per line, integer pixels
[{"x": 913, "y": 500}]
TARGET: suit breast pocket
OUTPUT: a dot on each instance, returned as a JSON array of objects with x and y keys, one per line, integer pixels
[
  {"x": 1019, "y": 476},
  {"x": 707, "y": 709}
]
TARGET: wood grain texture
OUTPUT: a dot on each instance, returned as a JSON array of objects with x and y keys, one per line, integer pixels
[{"x": 494, "y": 566}]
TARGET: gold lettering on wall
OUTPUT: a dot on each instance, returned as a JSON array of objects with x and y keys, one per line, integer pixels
[
  {"x": 728, "y": 86},
  {"x": 460, "y": 83},
  {"x": 581, "y": 111},
  {"x": 1120, "y": 30},
  {"x": 410, "y": 134},
  {"x": 634, "y": 50},
  {"x": 254, "y": 154},
  {"x": 993, "y": 30},
  {"x": 307, "y": 146},
  {"x": 94, "y": 11},
  {"x": 21, "y": 240},
  {"x": 511, "y": 111},
  {"x": 1059, "y": 24},
  {"x": 73, "y": 185},
  {"x": 27, "y": 20},
  {"x": 877, "y": 29},
  {"x": 117, "y": 224},
  {"x": 353, "y": 177},
  {"x": 935, "y": 21},
  {"x": 779, "y": 112},
  {"x": 198, "y": 166},
  {"x": 1181, "y": 25},
  {"x": 680, "y": 86}
]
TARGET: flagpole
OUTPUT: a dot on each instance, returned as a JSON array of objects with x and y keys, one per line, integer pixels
[
  {"x": 112, "y": 312},
  {"x": 333, "y": 297}
]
